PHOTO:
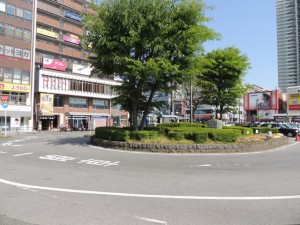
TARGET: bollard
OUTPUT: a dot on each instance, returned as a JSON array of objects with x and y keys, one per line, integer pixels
[{"x": 297, "y": 136}]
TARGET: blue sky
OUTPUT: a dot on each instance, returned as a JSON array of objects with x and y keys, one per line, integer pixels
[{"x": 249, "y": 25}]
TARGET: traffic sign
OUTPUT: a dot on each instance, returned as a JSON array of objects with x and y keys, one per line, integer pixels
[{"x": 4, "y": 105}]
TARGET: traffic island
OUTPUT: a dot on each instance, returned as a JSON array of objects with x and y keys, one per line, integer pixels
[{"x": 192, "y": 148}]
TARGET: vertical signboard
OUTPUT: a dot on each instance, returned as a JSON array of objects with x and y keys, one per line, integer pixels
[
  {"x": 46, "y": 102},
  {"x": 293, "y": 98}
]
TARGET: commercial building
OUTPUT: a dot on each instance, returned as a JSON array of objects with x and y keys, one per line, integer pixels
[
  {"x": 288, "y": 46},
  {"x": 65, "y": 95},
  {"x": 44, "y": 71},
  {"x": 16, "y": 63}
]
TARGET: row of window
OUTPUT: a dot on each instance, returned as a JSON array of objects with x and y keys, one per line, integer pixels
[
  {"x": 80, "y": 102},
  {"x": 14, "y": 98},
  {"x": 19, "y": 13},
  {"x": 13, "y": 75},
  {"x": 15, "y": 32}
]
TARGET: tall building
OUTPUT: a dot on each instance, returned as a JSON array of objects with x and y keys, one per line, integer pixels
[
  {"x": 288, "y": 43},
  {"x": 65, "y": 95},
  {"x": 44, "y": 71},
  {"x": 16, "y": 63}
]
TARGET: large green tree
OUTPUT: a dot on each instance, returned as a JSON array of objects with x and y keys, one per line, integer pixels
[
  {"x": 149, "y": 43},
  {"x": 221, "y": 80}
]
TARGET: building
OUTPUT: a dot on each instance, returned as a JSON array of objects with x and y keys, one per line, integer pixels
[
  {"x": 45, "y": 73},
  {"x": 264, "y": 106},
  {"x": 16, "y": 63},
  {"x": 65, "y": 95},
  {"x": 288, "y": 43}
]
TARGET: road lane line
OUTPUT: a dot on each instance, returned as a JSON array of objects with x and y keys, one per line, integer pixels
[
  {"x": 150, "y": 220},
  {"x": 28, "y": 153},
  {"x": 3, "y": 152},
  {"x": 178, "y": 197}
]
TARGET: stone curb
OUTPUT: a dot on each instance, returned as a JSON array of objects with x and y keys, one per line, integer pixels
[{"x": 192, "y": 148}]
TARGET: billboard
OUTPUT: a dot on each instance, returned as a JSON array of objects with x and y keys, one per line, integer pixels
[
  {"x": 293, "y": 98},
  {"x": 260, "y": 100},
  {"x": 54, "y": 64},
  {"x": 81, "y": 69},
  {"x": 46, "y": 106}
]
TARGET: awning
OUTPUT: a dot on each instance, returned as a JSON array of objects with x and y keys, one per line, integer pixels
[{"x": 85, "y": 114}]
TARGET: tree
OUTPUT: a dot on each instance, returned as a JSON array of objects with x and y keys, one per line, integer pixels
[
  {"x": 149, "y": 43},
  {"x": 221, "y": 80}
]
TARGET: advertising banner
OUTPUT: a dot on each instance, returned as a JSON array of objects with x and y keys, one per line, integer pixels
[
  {"x": 294, "y": 101},
  {"x": 54, "y": 64},
  {"x": 80, "y": 69},
  {"x": 260, "y": 100},
  {"x": 47, "y": 33},
  {"x": 266, "y": 114},
  {"x": 14, "y": 87},
  {"x": 73, "y": 16},
  {"x": 72, "y": 40},
  {"x": 15, "y": 122},
  {"x": 46, "y": 102}
]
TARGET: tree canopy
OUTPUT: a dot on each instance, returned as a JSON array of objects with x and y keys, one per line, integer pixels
[
  {"x": 221, "y": 80},
  {"x": 150, "y": 44}
]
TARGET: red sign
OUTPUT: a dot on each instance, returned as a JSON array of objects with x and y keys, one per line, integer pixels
[
  {"x": 54, "y": 64},
  {"x": 4, "y": 98},
  {"x": 294, "y": 107}
]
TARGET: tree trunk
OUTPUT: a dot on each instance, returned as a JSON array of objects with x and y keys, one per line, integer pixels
[
  {"x": 146, "y": 111},
  {"x": 134, "y": 115}
]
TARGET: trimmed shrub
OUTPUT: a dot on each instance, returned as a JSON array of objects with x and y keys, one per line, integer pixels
[
  {"x": 112, "y": 133},
  {"x": 265, "y": 129},
  {"x": 224, "y": 135},
  {"x": 242, "y": 129},
  {"x": 143, "y": 134}
]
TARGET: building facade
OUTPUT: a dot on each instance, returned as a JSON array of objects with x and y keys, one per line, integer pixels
[
  {"x": 288, "y": 43},
  {"x": 16, "y": 63},
  {"x": 45, "y": 75}
]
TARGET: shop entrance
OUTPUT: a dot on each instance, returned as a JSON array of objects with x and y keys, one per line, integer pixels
[{"x": 77, "y": 122}]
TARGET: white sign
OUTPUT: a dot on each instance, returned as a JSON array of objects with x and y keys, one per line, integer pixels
[
  {"x": 15, "y": 122},
  {"x": 80, "y": 69}
]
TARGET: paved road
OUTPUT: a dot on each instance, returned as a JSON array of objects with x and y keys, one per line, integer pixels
[{"x": 58, "y": 178}]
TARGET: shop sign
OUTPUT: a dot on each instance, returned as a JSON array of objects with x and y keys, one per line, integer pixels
[
  {"x": 80, "y": 69},
  {"x": 46, "y": 103},
  {"x": 73, "y": 16},
  {"x": 14, "y": 87},
  {"x": 47, "y": 33},
  {"x": 294, "y": 101},
  {"x": 54, "y": 64},
  {"x": 72, "y": 40}
]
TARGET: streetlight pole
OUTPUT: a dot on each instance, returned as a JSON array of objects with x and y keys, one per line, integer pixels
[{"x": 191, "y": 102}]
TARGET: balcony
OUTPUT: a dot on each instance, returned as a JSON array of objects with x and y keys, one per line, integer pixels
[{"x": 47, "y": 47}]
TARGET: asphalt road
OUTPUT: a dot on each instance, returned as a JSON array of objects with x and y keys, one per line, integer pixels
[{"x": 58, "y": 178}]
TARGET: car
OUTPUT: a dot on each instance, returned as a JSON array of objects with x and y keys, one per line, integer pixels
[
  {"x": 282, "y": 128},
  {"x": 253, "y": 124}
]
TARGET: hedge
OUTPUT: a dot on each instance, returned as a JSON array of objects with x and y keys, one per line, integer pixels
[{"x": 112, "y": 133}]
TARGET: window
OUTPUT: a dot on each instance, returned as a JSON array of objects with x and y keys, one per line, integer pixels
[
  {"x": 10, "y": 30},
  {"x": 8, "y": 73},
  {"x": 10, "y": 9},
  {"x": 19, "y": 13},
  {"x": 2, "y": 7},
  {"x": 58, "y": 101},
  {"x": 27, "y": 15},
  {"x": 100, "y": 104},
  {"x": 17, "y": 76},
  {"x": 78, "y": 102},
  {"x": 1, "y": 74},
  {"x": 25, "y": 77},
  {"x": 19, "y": 33},
  {"x": 2, "y": 28},
  {"x": 27, "y": 35}
]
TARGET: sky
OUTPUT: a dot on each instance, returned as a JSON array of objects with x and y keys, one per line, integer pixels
[{"x": 249, "y": 25}]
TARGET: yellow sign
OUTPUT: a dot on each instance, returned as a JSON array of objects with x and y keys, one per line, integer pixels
[
  {"x": 47, "y": 33},
  {"x": 14, "y": 87},
  {"x": 294, "y": 101},
  {"x": 46, "y": 101}
]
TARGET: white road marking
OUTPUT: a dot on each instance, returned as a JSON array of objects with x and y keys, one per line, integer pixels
[
  {"x": 28, "y": 153},
  {"x": 284, "y": 197},
  {"x": 3, "y": 152},
  {"x": 150, "y": 220}
]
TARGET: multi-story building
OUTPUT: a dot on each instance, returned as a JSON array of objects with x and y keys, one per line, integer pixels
[
  {"x": 45, "y": 72},
  {"x": 288, "y": 46},
  {"x": 16, "y": 63},
  {"x": 65, "y": 95}
]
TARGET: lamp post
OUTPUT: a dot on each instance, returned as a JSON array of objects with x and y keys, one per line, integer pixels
[{"x": 257, "y": 110}]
